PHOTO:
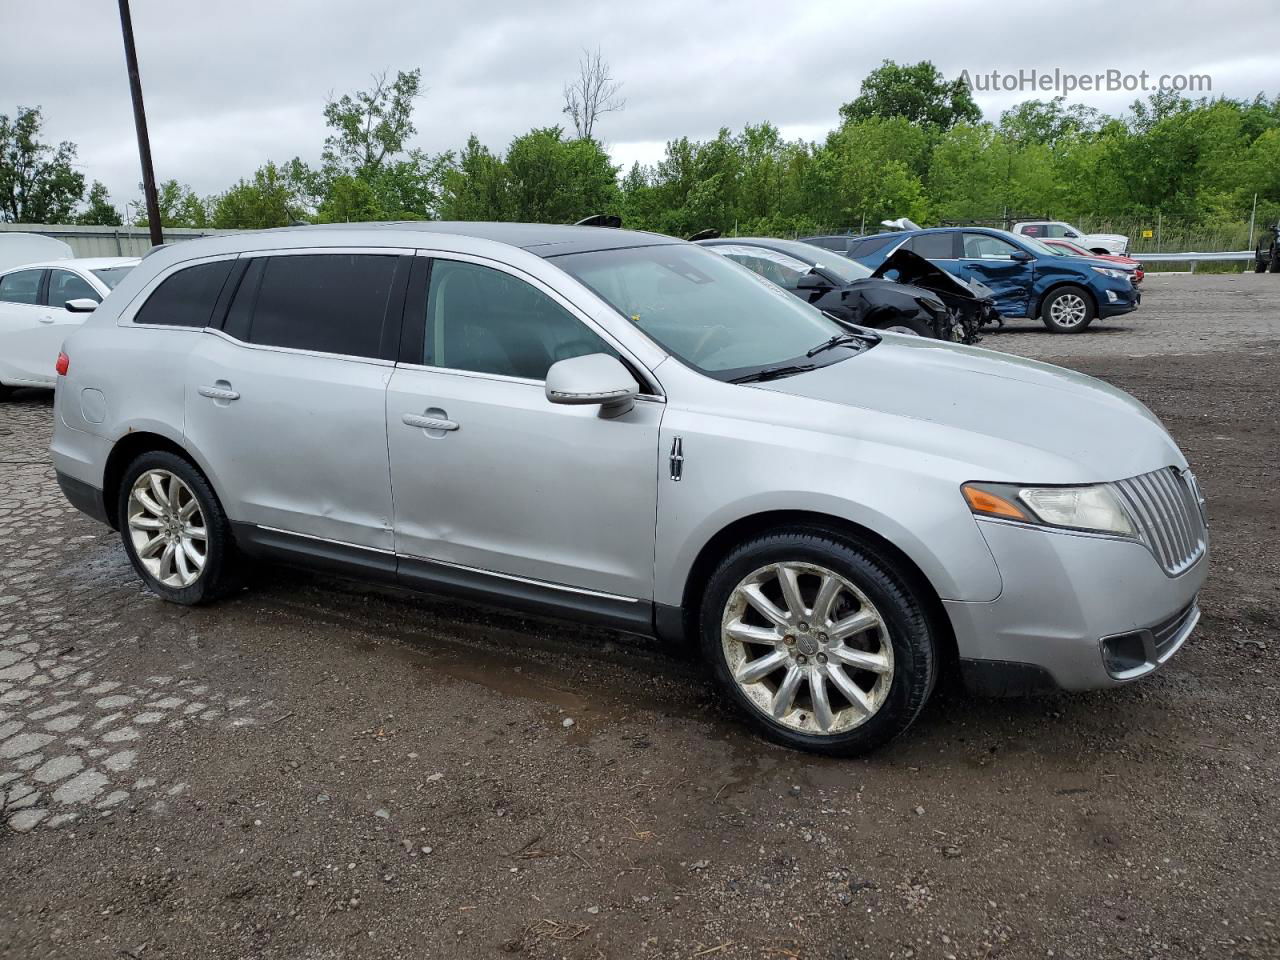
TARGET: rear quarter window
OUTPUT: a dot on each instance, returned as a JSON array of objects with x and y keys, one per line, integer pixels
[{"x": 185, "y": 298}]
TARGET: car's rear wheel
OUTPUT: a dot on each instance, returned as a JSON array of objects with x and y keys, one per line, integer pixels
[
  {"x": 1067, "y": 310},
  {"x": 821, "y": 643},
  {"x": 174, "y": 530}
]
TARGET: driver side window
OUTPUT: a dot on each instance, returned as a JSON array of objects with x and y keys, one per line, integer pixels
[
  {"x": 1057, "y": 231},
  {"x": 486, "y": 321},
  {"x": 982, "y": 246}
]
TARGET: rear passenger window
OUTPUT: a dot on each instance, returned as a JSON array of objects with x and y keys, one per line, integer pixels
[
  {"x": 21, "y": 287},
  {"x": 186, "y": 298},
  {"x": 934, "y": 246},
  {"x": 327, "y": 303},
  {"x": 862, "y": 248}
]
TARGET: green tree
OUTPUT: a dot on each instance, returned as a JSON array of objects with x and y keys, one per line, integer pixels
[
  {"x": 38, "y": 183},
  {"x": 544, "y": 178},
  {"x": 1049, "y": 121},
  {"x": 917, "y": 92},
  {"x": 370, "y": 131},
  {"x": 271, "y": 199},
  {"x": 475, "y": 188},
  {"x": 179, "y": 206},
  {"x": 349, "y": 200},
  {"x": 100, "y": 211}
]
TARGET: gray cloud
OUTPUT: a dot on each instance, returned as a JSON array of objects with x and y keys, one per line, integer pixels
[{"x": 232, "y": 83}]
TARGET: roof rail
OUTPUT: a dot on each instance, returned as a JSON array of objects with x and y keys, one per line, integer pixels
[{"x": 708, "y": 234}]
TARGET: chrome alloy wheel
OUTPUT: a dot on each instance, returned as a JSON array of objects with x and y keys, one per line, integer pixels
[
  {"x": 167, "y": 528},
  {"x": 807, "y": 648},
  {"x": 1068, "y": 310}
]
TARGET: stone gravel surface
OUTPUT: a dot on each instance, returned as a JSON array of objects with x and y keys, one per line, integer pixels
[{"x": 320, "y": 769}]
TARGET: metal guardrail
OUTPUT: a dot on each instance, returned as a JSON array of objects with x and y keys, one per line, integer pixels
[{"x": 1191, "y": 257}]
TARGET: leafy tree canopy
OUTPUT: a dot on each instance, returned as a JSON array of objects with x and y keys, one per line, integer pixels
[{"x": 38, "y": 183}]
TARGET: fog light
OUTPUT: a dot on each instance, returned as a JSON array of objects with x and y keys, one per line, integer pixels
[
  {"x": 1113, "y": 296},
  {"x": 1123, "y": 653}
]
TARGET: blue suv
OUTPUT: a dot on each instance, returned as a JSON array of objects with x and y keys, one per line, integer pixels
[{"x": 1026, "y": 278}]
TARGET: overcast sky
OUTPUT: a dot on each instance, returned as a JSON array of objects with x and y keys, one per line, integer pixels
[{"x": 232, "y": 83}]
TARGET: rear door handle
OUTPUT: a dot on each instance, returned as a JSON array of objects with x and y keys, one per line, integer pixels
[
  {"x": 428, "y": 423},
  {"x": 218, "y": 393},
  {"x": 46, "y": 319}
]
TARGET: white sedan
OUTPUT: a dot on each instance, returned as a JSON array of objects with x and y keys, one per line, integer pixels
[{"x": 40, "y": 303}]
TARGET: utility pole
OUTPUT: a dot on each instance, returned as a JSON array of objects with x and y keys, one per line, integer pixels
[{"x": 140, "y": 122}]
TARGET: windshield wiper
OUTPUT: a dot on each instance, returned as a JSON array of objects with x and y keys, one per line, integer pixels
[
  {"x": 839, "y": 340},
  {"x": 773, "y": 373}
]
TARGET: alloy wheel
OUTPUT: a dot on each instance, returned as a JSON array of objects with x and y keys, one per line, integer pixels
[
  {"x": 167, "y": 528},
  {"x": 1068, "y": 310},
  {"x": 807, "y": 648}
]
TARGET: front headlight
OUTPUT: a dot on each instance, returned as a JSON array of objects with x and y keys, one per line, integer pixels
[
  {"x": 1093, "y": 507},
  {"x": 1112, "y": 272}
]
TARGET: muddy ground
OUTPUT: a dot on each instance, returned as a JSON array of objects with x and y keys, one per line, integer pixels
[{"x": 318, "y": 769}]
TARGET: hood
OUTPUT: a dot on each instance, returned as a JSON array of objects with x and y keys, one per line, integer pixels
[
  {"x": 917, "y": 271},
  {"x": 1032, "y": 422}
]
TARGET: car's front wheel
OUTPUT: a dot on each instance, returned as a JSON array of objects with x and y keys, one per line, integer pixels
[
  {"x": 821, "y": 643},
  {"x": 174, "y": 530},
  {"x": 1067, "y": 310},
  {"x": 909, "y": 326}
]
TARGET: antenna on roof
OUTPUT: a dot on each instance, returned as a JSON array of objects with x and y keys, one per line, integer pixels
[{"x": 600, "y": 220}]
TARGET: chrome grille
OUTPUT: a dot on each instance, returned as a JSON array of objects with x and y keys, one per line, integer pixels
[{"x": 1165, "y": 508}]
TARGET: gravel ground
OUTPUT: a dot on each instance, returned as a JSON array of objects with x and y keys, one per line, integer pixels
[{"x": 318, "y": 769}]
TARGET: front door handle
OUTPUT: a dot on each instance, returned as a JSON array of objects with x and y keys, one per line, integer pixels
[
  {"x": 219, "y": 393},
  {"x": 428, "y": 423},
  {"x": 46, "y": 319}
]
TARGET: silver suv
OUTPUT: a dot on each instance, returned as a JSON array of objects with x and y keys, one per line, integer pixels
[{"x": 630, "y": 429}]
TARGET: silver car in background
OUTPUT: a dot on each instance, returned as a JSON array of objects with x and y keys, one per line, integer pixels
[{"x": 629, "y": 429}]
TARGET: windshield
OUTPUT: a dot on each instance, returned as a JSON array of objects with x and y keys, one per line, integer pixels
[
  {"x": 112, "y": 276},
  {"x": 838, "y": 266},
  {"x": 704, "y": 309}
]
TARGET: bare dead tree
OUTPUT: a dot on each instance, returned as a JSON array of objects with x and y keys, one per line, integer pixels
[{"x": 592, "y": 93}]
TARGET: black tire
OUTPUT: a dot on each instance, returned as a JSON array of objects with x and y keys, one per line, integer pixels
[
  {"x": 219, "y": 575},
  {"x": 1060, "y": 294},
  {"x": 915, "y": 325},
  {"x": 1259, "y": 266},
  {"x": 910, "y": 634}
]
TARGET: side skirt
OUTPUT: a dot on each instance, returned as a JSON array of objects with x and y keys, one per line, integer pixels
[{"x": 430, "y": 576}]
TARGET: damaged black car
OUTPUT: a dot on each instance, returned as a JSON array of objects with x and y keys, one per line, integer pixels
[{"x": 907, "y": 294}]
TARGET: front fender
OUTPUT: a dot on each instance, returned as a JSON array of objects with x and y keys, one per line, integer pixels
[{"x": 739, "y": 470}]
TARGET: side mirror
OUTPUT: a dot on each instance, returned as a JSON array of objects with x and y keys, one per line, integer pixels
[
  {"x": 1021, "y": 256},
  {"x": 596, "y": 378},
  {"x": 81, "y": 305},
  {"x": 1071, "y": 235},
  {"x": 812, "y": 281}
]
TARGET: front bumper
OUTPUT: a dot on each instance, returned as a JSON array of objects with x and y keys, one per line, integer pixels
[
  {"x": 1076, "y": 612},
  {"x": 1116, "y": 300}
]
